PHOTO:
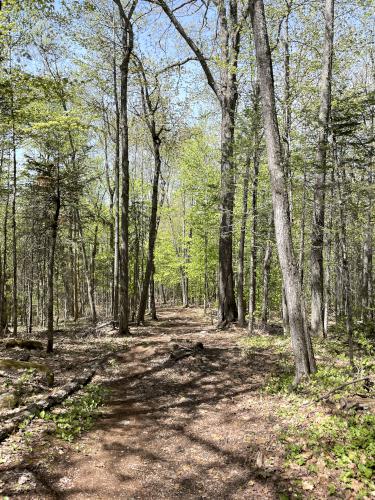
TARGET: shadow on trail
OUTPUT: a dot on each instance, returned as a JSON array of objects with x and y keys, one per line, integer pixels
[{"x": 181, "y": 429}]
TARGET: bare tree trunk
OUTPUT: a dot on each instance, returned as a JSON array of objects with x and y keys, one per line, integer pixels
[
  {"x": 127, "y": 49},
  {"x": 116, "y": 259},
  {"x": 4, "y": 261},
  {"x": 266, "y": 272},
  {"x": 152, "y": 234},
  {"x": 30, "y": 297},
  {"x": 301, "y": 259},
  {"x": 301, "y": 342},
  {"x": 317, "y": 239},
  {"x": 152, "y": 297},
  {"x": 345, "y": 267},
  {"x": 241, "y": 247},
  {"x": 14, "y": 232},
  {"x": 253, "y": 254},
  {"x": 88, "y": 274},
  {"x": 51, "y": 266},
  {"x": 366, "y": 295}
]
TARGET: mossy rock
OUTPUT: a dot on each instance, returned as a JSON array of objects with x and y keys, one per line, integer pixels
[
  {"x": 13, "y": 364},
  {"x": 8, "y": 401},
  {"x": 24, "y": 344}
]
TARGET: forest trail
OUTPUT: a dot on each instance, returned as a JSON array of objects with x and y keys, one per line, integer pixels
[{"x": 198, "y": 428}]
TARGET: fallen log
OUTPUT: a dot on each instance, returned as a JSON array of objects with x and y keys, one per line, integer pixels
[
  {"x": 112, "y": 323},
  {"x": 24, "y": 344},
  {"x": 14, "y": 364},
  {"x": 364, "y": 404},
  {"x": 183, "y": 352},
  {"x": 31, "y": 411}
]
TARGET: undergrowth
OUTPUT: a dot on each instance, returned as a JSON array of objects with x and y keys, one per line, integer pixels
[
  {"x": 343, "y": 442},
  {"x": 77, "y": 414}
]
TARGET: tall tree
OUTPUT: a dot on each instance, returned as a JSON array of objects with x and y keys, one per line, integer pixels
[
  {"x": 127, "y": 49},
  {"x": 317, "y": 234},
  {"x": 301, "y": 342},
  {"x": 230, "y": 21}
]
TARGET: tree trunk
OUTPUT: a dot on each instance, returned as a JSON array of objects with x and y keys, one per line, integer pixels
[
  {"x": 51, "y": 267},
  {"x": 88, "y": 274},
  {"x": 152, "y": 233},
  {"x": 317, "y": 238},
  {"x": 366, "y": 292},
  {"x": 266, "y": 272},
  {"x": 241, "y": 247},
  {"x": 253, "y": 254},
  {"x": 301, "y": 259},
  {"x": 116, "y": 259},
  {"x": 152, "y": 297},
  {"x": 227, "y": 305},
  {"x": 14, "y": 233},
  {"x": 127, "y": 49},
  {"x": 301, "y": 342}
]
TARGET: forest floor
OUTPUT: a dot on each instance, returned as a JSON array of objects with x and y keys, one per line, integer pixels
[{"x": 201, "y": 427}]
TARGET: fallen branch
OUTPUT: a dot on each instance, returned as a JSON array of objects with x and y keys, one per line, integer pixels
[
  {"x": 184, "y": 352},
  {"x": 112, "y": 323},
  {"x": 338, "y": 388},
  {"x": 29, "y": 412}
]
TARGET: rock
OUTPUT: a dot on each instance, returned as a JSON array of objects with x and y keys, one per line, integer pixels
[{"x": 8, "y": 401}]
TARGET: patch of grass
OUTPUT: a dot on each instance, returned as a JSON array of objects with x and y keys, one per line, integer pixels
[
  {"x": 265, "y": 342},
  {"x": 77, "y": 413}
]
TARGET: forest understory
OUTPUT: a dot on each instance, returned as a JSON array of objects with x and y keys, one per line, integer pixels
[{"x": 224, "y": 422}]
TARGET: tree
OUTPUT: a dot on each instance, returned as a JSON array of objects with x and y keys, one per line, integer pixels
[
  {"x": 127, "y": 49},
  {"x": 301, "y": 343},
  {"x": 230, "y": 19},
  {"x": 317, "y": 242}
]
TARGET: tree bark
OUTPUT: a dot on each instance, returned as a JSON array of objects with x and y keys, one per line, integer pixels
[
  {"x": 88, "y": 274},
  {"x": 152, "y": 233},
  {"x": 317, "y": 238},
  {"x": 241, "y": 246},
  {"x": 51, "y": 264},
  {"x": 266, "y": 272},
  {"x": 301, "y": 342},
  {"x": 127, "y": 49}
]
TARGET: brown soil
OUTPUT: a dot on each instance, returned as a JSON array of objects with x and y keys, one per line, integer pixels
[{"x": 198, "y": 428}]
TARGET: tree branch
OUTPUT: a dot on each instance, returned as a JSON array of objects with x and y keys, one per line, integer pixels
[{"x": 194, "y": 47}]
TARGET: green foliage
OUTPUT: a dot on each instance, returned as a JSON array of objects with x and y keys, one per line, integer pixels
[
  {"x": 344, "y": 442},
  {"x": 77, "y": 414}
]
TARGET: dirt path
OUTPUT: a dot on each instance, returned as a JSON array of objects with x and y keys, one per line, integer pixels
[{"x": 199, "y": 428}]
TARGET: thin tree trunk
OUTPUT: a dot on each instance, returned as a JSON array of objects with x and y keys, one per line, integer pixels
[
  {"x": 345, "y": 268},
  {"x": 51, "y": 266},
  {"x": 317, "y": 239},
  {"x": 152, "y": 233},
  {"x": 116, "y": 259},
  {"x": 14, "y": 232},
  {"x": 266, "y": 272},
  {"x": 253, "y": 254},
  {"x": 241, "y": 247},
  {"x": 88, "y": 273},
  {"x": 301, "y": 342},
  {"x": 152, "y": 297},
  {"x": 4, "y": 262},
  {"x": 366, "y": 292},
  {"x": 301, "y": 259},
  {"x": 127, "y": 49}
]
